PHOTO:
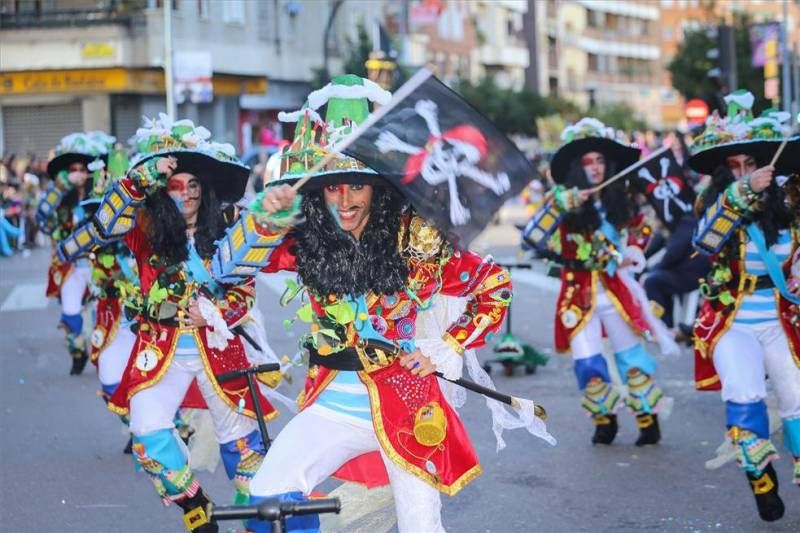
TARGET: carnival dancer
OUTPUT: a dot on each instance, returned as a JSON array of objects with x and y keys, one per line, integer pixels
[
  {"x": 169, "y": 211},
  {"x": 368, "y": 264},
  {"x": 596, "y": 237},
  {"x": 58, "y": 214},
  {"x": 748, "y": 325},
  {"x": 114, "y": 284}
]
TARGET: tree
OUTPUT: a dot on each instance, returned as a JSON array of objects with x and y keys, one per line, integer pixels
[
  {"x": 355, "y": 61},
  {"x": 690, "y": 66},
  {"x": 619, "y": 116},
  {"x": 511, "y": 111}
]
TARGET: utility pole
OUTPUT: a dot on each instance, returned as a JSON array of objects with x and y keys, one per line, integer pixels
[
  {"x": 169, "y": 80},
  {"x": 786, "y": 73},
  {"x": 326, "y": 36}
]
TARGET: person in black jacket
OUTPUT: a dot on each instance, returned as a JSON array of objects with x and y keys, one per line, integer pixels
[{"x": 680, "y": 268}]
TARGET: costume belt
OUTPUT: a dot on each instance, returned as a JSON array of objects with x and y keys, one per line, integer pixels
[
  {"x": 575, "y": 264},
  {"x": 367, "y": 355},
  {"x": 169, "y": 321},
  {"x": 754, "y": 283}
]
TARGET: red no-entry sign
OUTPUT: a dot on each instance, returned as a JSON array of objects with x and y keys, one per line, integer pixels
[{"x": 696, "y": 111}]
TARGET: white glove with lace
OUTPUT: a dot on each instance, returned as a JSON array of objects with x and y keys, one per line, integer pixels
[{"x": 217, "y": 333}]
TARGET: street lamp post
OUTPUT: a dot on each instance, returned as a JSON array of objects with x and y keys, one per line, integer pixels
[{"x": 169, "y": 81}]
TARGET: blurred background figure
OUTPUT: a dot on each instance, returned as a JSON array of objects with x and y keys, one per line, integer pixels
[{"x": 679, "y": 268}]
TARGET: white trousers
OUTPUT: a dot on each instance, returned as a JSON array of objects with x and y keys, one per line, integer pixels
[
  {"x": 589, "y": 340},
  {"x": 745, "y": 355},
  {"x": 112, "y": 360},
  {"x": 73, "y": 289},
  {"x": 316, "y": 442},
  {"x": 154, "y": 408}
]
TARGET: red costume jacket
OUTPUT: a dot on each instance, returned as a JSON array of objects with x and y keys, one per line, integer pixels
[
  {"x": 155, "y": 342},
  {"x": 395, "y": 394},
  {"x": 715, "y": 318},
  {"x": 577, "y": 298}
]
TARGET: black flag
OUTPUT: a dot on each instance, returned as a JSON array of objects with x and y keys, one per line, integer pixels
[
  {"x": 662, "y": 181},
  {"x": 450, "y": 161}
]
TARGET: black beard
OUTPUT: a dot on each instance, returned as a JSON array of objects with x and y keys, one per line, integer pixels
[{"x": 331, "y": 261}]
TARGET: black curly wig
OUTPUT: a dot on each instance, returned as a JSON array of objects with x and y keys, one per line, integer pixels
[
  {"x": 332, "y": 261},
  {"x": 617, "y": 202},
  {"x": 166, "y": 228},
  {"x": 774, "y": 216}
]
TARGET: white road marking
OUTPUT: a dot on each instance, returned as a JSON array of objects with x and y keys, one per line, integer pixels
[{"x": 26, "y": 297}]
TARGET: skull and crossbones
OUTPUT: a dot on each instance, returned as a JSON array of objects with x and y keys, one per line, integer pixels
[
  {"x": 666, "y": 189},
  {"x": 445, "y": 157}
]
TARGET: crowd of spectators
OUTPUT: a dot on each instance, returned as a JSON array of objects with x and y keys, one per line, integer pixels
[{"x": 22, "y": 180}]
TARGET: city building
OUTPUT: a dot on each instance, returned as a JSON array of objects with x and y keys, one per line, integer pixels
[
  {"x": 678, "y": 16},
  {"x": 68, "y": 65},
  {"x": 596, "y": 52},
  {"x": 468, "y": 40}
]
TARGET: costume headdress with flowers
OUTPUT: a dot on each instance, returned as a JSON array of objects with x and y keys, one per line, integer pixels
[
  {"x": 590, "y": 135},
  {"x": 80, "y": 147},
  {"x": 347, "y": 100},
  {"x": 214, "y": 163},
  {"x": 740, "y": 133}
]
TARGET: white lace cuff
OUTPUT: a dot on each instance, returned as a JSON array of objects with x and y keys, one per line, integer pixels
[
  {"x": 444, "y": 358},
  {"x": 217, "y": 332}
]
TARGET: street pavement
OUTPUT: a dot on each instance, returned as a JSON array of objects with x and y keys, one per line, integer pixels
[{"x": 62, "y": 468}]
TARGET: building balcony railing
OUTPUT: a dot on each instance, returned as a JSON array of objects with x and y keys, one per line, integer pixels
[
  {"x": 109, "y": 12},
  {"x": 621, "y": 77},
  {"x": 649, "y": 38}
]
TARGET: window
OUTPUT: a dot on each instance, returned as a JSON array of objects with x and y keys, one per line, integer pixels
[
  {"x": 233, "y": 11},
  {"x": 597, "y": 19},
  {"x": 593, "y": 63},
  {"x": 572, "y": 79}
]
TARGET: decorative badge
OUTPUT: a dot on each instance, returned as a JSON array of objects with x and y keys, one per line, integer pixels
[
  {"x": 147, "y": 359},
  {"x": 571, "y": 317},
  {"x": 430, "y": 467},
  {"x": 98, "y": 336}
]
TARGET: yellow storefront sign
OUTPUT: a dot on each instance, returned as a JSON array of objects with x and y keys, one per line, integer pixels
[
  {"x": 98, "y": 51},
  {"x": 115, "y": 80}
]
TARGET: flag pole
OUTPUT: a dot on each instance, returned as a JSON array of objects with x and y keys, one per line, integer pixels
[
  {"x": 624, "y": 172},
  {"x": 407, "y": 88},
  {"x": 779, "y": 152}
]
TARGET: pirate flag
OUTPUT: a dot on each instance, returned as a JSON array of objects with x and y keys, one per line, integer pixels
[
  {"x": 451, "y": 162},
  {"x": 662, "y": 181}
]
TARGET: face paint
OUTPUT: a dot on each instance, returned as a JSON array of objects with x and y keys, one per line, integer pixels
[
  {"x": 178, "y": 203},
  {"x": 335, "y": 213}
]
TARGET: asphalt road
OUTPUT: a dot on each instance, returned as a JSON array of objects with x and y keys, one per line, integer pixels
[{"x": 62, "y": 467}]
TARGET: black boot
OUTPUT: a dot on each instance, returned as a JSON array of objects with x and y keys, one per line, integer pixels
[
  {"x": 185, "y": 431},
  {"x": 197, "y": 513},
  {"x": 649, "y": 432},
  {"x": 765, "y": 489},
  {"x": 605, "y": 429},
  {"x": 78, "y": 364}
]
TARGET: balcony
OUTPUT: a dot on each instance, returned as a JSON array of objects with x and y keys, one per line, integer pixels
[
  {"x": 507, "y": 56},
  {"x": 103, "y": 13}
]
